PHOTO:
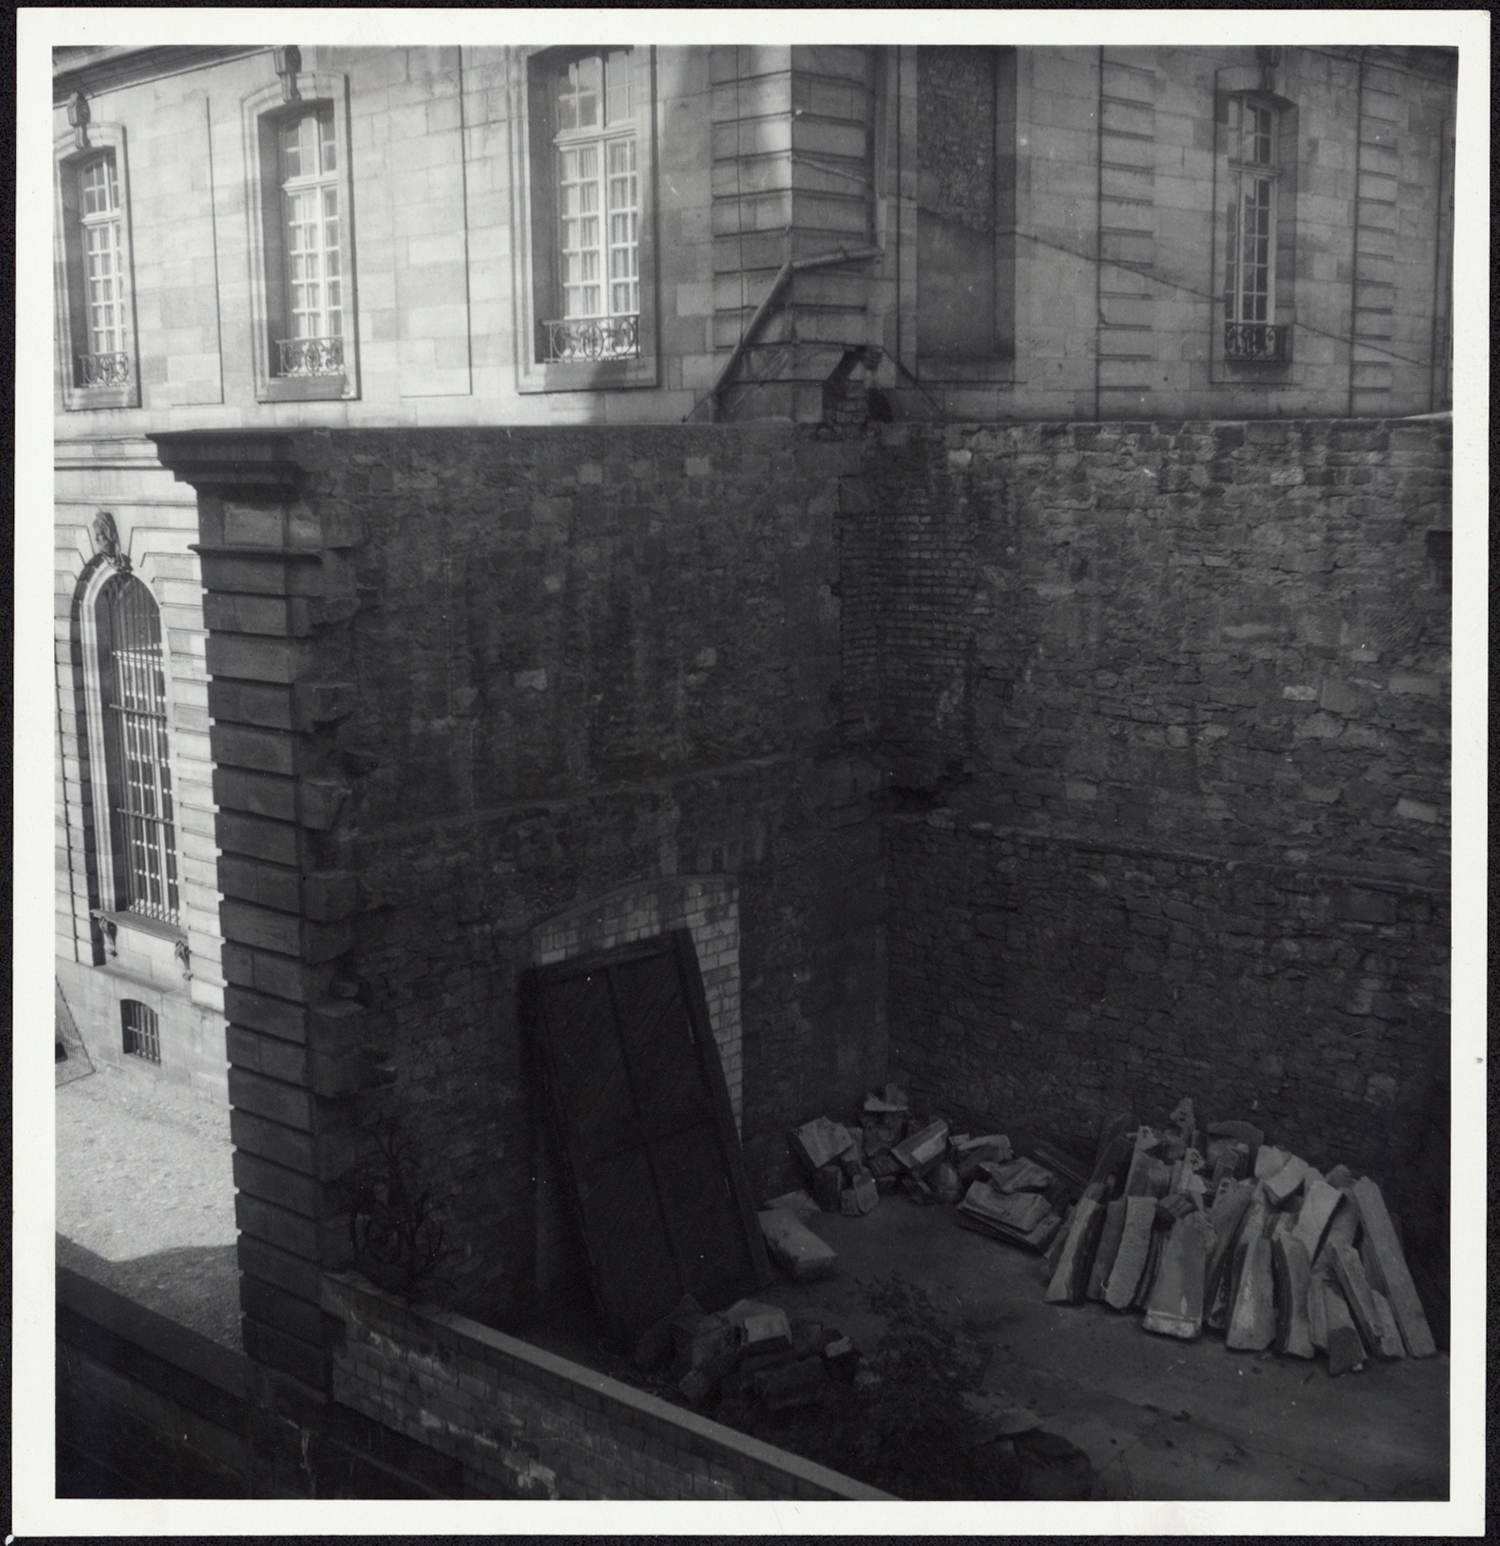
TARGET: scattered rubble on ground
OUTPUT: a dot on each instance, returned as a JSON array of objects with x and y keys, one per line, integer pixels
[{"x": 1189, "y": 1227}]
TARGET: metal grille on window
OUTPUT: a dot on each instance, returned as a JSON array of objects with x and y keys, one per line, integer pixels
[
  {"x": 308, "y": 173},
  {"x": 132, "y": 672},
  {"x": 107, "y": 360},
  {"x": 1250, "y": 330},
  {"x": 142, "y": 1037},
  {"x": 598, "y": 211}
]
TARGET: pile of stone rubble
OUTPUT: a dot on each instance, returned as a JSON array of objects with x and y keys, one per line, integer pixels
[{"x": 1190, "y": 1227}]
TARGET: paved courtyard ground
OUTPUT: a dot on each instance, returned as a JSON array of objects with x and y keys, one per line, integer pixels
[
  {"x": 145, "y": 1198},
  {"x": 145, "y": 1205}
]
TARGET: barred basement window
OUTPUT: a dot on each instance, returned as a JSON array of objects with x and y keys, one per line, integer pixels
[
  {"x": 141, "y": 1030},
  {"x": 133, "y": 698},
  {"x": 1251, "y": 331}
]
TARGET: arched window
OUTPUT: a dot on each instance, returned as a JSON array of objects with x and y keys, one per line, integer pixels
[{"x": 133, "y": 706}]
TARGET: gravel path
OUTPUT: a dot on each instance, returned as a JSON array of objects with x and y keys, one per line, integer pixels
[{"x": 145, "y": 1198}]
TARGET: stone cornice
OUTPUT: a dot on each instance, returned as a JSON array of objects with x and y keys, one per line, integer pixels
[{"x": 94, "y": 70}]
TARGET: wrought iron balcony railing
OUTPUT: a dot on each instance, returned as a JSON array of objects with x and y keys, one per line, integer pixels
[
  {"x": 104, "y": 370},
  {"x": 1257, "y": 341},
  {"x": 310, "y": 356},
  {"x": 593, "y": 338}
]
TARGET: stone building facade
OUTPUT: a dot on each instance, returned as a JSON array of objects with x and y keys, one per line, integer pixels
[{"x": 976, "y": 570}]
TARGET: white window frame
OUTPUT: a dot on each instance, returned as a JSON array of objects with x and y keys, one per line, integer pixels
[
  {"x": 1246, "y": 346},
  {"x": 312, "y": 375},
  {"x": 120, "y": 387},
  {"x": 598, "y": 358}
]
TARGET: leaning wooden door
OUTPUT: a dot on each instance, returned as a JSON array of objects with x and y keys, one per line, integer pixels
[{"x": 643, "y": 1117}]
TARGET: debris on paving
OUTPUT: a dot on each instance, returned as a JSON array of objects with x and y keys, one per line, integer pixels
[{"x": 1190, "y": 1226}]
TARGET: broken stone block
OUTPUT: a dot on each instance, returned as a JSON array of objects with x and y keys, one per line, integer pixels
[
  {"x": 1242, "y": 1132},
  {"x": 1346, "y": 1352},
  {"x": 1054, "y": 1250},
  {"x": 828, "y": 1186},
  {"x": 1286, "y": 1181},
  {"x": 880, "y": 1132},
  {"x": 944, "y": 1182},
  {"x": 1252, "y": 1318},
  {"x": 818, "y": 1143},
  {"x": 1389, "y": 1344},
  {"x": 654, "y": 1345},
  {"x": 1350, "y": 1276},
  {"x": 917, "y": 1190},
  {"x": 1227, "y": 1215},
  {"x": 761, "y": 1327},
  {"x": 1021, "y": 1175},
  {"x": 1341, "y": 1176},
  {"x": 702, "y": 1341},
  {"x": 854, "y": 1156},
  {"x": 1399, "y": 1288},
  {"x": 860, "y": 1196},
  {"x": 923, "y": 1149},
  {"x": 801, "y": 1203},
  {"x": 1317, "y": 1311},
  {"x": 1146, "y": 1143},
  {"x": 842, "y": 1359},
  {"x": 1268, "y": 1161},
  {"x": 1291, "y": 1273},
  {"x": 1071, "y": 1277},
  {"x": 1153, "y": 1266},
  {"x": 891, "y": 1100},
  {"x": 795, "y": 1248},
  {"x": 1319, "y": 1199},
  {"x": 1175, "y": 1305},
  {"x": 1130, "y": 1258},
  {"x": 1109, "y": 1245}
]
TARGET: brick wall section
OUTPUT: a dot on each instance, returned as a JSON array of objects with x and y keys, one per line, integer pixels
[
  {"x": 592, "y": 662},
  {"x": 1183, "y": 689},
  {"x": 147, "y": 1408},
  {"x": 524, "y": 1423},
  {"x": 551, "y": 669}
]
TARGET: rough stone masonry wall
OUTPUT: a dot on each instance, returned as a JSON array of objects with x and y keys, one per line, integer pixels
[
  {"x": 1177, "y": 695},
  {"x": 589, "y": 661}
]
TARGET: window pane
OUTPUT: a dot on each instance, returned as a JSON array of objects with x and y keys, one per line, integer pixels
[{"x": 617, "y": 78}]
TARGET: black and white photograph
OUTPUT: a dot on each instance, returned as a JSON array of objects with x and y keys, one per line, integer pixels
[{"x": 752, "y": 756}]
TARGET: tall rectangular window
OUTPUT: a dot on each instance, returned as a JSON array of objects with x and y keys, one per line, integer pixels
[
  {"x": 133, "y": 694},
  {"x": 312, "y": 257},
  {"x": 598, "y": 206},
  {"x": 587, "y": 236},
  {"x": 96, "y": 324},
  {"x": 1250, "y": 331},
  {"x": 303, "y": 300},
  {"x": 103, "y": 257}
]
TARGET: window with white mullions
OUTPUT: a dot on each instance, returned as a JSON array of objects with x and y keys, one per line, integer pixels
[
  {"x": 132, "y": 676},
  {"x": 598, "y": 209},
  {"x": 99, "y": 216},
  {"x": 308, "y": 175},
  {"x": 1250, "y": 331}
]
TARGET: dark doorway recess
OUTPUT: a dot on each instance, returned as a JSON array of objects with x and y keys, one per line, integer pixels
[{"x": 644, "y": 1124}]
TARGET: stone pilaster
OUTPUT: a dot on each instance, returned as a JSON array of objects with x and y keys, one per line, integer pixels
[{"x": 278, "y": 598}]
